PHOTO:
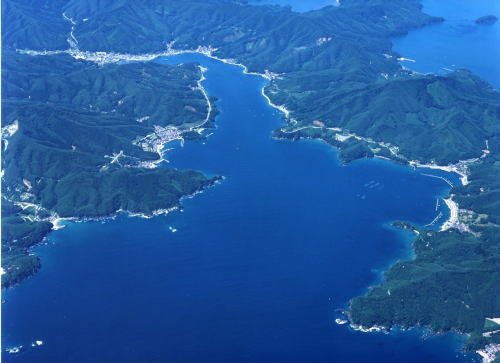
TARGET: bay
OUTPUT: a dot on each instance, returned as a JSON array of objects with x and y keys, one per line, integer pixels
[
  {"x": 256, "y": 268},
  {"x": 456, "y": 43}
]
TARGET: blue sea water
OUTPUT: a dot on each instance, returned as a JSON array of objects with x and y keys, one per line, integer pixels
[
  {"x": 260, "y": 262},
  {"x": 298, "y": 5},
  {"x": 457, "y": 42},
  {"x": 256, "y": 268}
]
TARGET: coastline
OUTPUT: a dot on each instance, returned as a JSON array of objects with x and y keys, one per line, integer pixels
[
  {"x": 102, "y": 58},
  {"x": 203, "y": 70},
  {"x": 58, "y": 222},
  {"x": 452, "y": 221},
  {"x": 164, "y": 135},
  {"x": 460, "y": 168},
  {"x": 489, "y": 352}
]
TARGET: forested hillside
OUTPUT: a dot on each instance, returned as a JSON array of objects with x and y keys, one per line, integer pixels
[
  {"x": 82, "y": 141},
  {"x": 338, "y": 77}
]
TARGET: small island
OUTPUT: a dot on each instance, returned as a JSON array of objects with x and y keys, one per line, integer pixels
[{"x": 487, "y": 19}]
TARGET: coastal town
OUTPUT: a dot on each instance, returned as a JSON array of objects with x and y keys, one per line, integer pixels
[{"x": 333, "y": 75}]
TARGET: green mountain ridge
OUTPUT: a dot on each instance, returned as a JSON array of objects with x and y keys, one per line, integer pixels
[
  {"x": 336, "y": 70},
  {"x": 430, "y": 118},
  {"x": 73, "y": 117}
]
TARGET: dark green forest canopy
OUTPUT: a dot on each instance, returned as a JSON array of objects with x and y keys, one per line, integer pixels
[
  {"x": 129, "y": 91},
  {"x": 337, "y": 70},
  {"x": 454, "y": 280},
  {"x": 73, "y": 117},
  {"x": 440, "y": 119},
  {"x": 336, "y": 64}
]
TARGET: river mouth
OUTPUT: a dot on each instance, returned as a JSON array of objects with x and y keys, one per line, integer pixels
[{"x": 252, "y": 269}]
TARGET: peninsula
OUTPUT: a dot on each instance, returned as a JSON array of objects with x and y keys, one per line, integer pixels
[
  {"x": 334, "y": 74},
  {"x": 85, "y": 142}
]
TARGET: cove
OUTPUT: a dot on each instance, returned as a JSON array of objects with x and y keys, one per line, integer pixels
[
  {"x": 456, "y": 43},
  {"x": 257, "y": 265}
]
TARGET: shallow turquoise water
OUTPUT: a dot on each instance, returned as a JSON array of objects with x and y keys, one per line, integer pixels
[{"x": 257, "y": 266}]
